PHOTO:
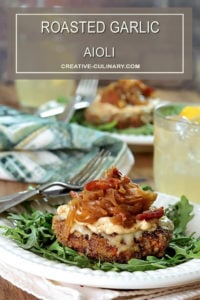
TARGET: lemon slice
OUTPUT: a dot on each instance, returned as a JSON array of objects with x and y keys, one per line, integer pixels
[{"x": 192, "y": 113}]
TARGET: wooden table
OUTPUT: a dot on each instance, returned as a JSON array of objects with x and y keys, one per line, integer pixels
[{"x": 141, "y": 169}]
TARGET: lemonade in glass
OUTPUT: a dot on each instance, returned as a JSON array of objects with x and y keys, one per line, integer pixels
[
  {"x": 33, "y": 93},
  {"x": 177, "y": 150}
]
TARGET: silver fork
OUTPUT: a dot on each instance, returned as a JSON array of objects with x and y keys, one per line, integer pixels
[
  {"x": 85, "y": 93},
  {"x": 89, "y": 172}
]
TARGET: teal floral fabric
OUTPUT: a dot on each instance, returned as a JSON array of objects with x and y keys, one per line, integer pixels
[{"x": 38, "y": 150}]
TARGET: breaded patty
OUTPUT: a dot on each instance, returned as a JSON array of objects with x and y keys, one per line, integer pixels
[
  {"x": 114, "y": 247},
  {"x": 127, "y": 102},
  {"x": 112, "y": 219}
]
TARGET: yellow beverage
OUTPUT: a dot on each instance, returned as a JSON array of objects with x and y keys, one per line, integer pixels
[
  {"x": 32, "y": 93},
  {"x": 176, "y": 155}
]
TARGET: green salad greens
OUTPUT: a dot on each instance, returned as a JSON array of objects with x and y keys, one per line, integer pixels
[
  {"x": 32, "y": 231},
  {"x": 146, "y": 129},
  {"x": 78, "y": 118}
]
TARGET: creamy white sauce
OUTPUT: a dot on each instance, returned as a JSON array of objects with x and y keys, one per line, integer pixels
[
  {"x": 166, "y": 223},
  {"x": 104, "y": 225},
  {"x": 117, "y": 236}
]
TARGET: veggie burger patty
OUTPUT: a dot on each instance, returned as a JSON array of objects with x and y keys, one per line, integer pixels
[{"x": 113, "y": 220}]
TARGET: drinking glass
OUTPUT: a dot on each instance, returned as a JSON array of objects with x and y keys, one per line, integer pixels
[
  {"x": 176, "y": 152},
  {"x": 33, "y": 93}
]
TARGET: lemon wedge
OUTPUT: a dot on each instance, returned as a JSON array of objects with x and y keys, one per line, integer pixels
[{"x": 192, "y": 113}]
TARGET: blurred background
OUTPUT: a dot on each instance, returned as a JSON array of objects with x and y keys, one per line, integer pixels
[{"x": 195, "y": 4}]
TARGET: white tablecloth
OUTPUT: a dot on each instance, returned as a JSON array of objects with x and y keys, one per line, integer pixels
[{"x": 45, "y": 289}]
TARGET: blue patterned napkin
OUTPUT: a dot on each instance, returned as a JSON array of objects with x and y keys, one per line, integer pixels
[{"x": 38, "y": 150}]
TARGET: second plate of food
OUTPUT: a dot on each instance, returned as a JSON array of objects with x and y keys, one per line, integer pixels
[{"x": 124, "y": 109}]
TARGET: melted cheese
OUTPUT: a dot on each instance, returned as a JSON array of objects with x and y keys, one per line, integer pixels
[
  {"x": 117, "y": 236},
  {"x": 62, "y": 211},
  {"x": 105, "y": 226}
]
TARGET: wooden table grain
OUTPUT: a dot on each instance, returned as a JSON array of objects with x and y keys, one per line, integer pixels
[{"x": 143, "y": 168}]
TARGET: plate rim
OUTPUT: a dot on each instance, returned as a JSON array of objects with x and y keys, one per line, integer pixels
[{"x": 140, "y": 140}]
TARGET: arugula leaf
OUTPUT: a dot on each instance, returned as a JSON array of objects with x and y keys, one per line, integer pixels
[
  {"x": 171, "y": 110},
  {"x": 79, "y": 118},
  {"x": 146, "y": 129},
  {"x": 180, "y": 214},
  {"x": 146, "y": 187},
  {"x": 62, "y": 99},
  {"x": 33, "y": 231}
]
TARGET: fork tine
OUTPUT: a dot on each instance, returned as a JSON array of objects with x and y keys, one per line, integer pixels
[
  {"x": 86, "y": 87},
  {"x": 91, "y": 86},
  {"x": 85, "y": 93},
  {"x": 95, "y": 168},
  {"x": 91, "y": 170}
]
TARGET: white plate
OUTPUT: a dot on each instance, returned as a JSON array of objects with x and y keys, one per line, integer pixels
[
  {"x": 26, "y": 261},
  {"x": 136, "y": 143},
  {"x": 130, "y": 139}
]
